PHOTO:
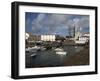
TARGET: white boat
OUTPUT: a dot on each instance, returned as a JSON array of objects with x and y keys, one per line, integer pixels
[
  {"x": 58, "y": 49},
  {"x": 33, "y": 55},
  {"x": 32, "y": 49},
  {"x": 35, "y": 47},
  {"x": 61, "y": 53}
]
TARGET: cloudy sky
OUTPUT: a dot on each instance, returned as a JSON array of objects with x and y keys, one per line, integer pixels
[{"x": 59, "y": 24}]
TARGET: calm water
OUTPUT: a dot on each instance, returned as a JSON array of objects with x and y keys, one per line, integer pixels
[{"x": 50, "y": 58}]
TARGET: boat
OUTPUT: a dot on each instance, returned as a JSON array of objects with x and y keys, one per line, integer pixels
[
  {"x": 33, "y": 55},
  {"x": 58, "y": 49},
  {"x": 35, "y": 48},
  {"x": 61, "y": 53},
  {"x": 32, "y": 49}
]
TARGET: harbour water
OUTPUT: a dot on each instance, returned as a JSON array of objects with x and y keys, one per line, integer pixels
[{"x": 49, "y": 58}]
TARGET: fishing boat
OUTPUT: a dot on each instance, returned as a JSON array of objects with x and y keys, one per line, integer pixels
[
  {"x": 35, "y": 48},
  {"x": 33, "y": 55},
  {"x": 58, "y": 49},
  {"x": 32, "y": 49},
  {"x": 61, "y": 53}
]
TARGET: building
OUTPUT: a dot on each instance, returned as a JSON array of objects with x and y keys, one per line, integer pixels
[
  {"x": 31, "y": 38},
  {"x": 86, "y": 35},
  {"x": 48, "y": 37},
  {"x": 26, "y": 35},
  {"x": 82, "y": 39}
]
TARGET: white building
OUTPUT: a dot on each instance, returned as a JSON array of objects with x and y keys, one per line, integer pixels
[
  {"x": 82, "y": 39},
  {"x": 48, "y": 37},
  {"x": 26, "y": 35}
]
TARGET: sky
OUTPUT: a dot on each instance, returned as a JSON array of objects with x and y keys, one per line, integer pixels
[{"x": 52, "y": 23}]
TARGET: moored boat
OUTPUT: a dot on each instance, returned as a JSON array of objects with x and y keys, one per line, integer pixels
[
  {"x": 58, "y": 49},
  {"x": 61, "y": 53},
  {"x": 33, "y": 55}
]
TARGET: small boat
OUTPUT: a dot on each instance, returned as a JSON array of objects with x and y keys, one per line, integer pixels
[
  {"x": 58, "y": 49},
  {"x": 32, "y": 49},
  {"x": 33, "y": 55},
  {"x": 61, "y": 53},
  {"x": 35, "y": 48}
]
